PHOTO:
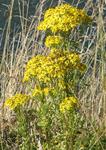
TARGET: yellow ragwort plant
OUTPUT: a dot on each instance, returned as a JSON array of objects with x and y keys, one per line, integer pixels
[
  {"x": 52, "y": 69},
  {"x": 55, "y": 78}
]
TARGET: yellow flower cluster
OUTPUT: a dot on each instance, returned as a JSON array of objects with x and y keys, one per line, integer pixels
[
  {"x": 16, "y": 100},
  {"x": 53, "y": 66},
  {"x": 68, "y": 103},
  {"x": 33, "y": 67},
  {"x": 38, "y": 91},
  {"x": 63, "y": 18},
  {"x": 52, "y": 41}
]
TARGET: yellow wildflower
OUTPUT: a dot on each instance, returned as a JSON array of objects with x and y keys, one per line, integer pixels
[
  {"x": 16, "y": 100},
  {"x": 52, "y": 67},
  {"x": 63, "y": 18},
  {"x": 46, "y": 91},
  {"x": 33, "y": 66},
  {"x": 38, "y": 91},
  {"x": 52, "y": 41},
  {"x": 68, "y": 103}
]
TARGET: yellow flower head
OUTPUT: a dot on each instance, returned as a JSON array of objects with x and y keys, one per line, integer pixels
[
  {"x": 16, "y": 100},
  {"x": 38, "y": 91},
  {"x": 63, "y": 18},
  {"x": 68, "y": 103},
  {"x": 52, "y": 41},
  {"x": 46, "y": 91}
]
